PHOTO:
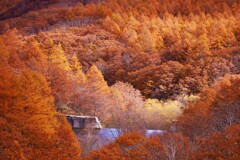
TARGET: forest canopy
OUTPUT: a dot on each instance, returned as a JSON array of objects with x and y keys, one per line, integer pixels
[{"x": 172, "y": 65}]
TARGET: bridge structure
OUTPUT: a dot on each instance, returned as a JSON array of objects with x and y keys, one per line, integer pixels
[{"x": 83, "y": 122}]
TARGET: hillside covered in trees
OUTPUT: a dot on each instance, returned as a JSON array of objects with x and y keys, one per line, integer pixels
[{"x": 168, "y": 65}]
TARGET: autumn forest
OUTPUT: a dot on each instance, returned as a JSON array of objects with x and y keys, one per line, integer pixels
[{"x": 136, "y": 65}]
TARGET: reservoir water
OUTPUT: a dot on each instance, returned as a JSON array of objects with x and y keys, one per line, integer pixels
[{"x": 95, "y": 139}]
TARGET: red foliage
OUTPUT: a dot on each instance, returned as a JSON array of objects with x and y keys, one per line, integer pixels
[{"x": 133, "y": 146}]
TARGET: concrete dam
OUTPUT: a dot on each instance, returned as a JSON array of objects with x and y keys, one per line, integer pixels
[
  {"x": 83, "y": 122},
  {"x": 89, "y": 132}
]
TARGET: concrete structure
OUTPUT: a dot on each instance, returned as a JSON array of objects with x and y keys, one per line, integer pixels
[{"x": 83, "y": 122}]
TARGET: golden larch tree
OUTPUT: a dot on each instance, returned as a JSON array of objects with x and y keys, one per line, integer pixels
[
  {"x": 77, "y": 69},
  {"x": 96, "y": 80},
  {"x": 58, "y": 58}
]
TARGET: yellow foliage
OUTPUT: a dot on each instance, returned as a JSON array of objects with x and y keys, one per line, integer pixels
[
  {"x": 58, "y": 58},
  {"x": 77, "y": 69},
  {"x": 96, "y": 80},
  {"x": 160, "y": 113}
]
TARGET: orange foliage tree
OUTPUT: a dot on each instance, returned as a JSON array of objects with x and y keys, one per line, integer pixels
[
  {"x": 31, "y": 127},
  {"x": 217, "y": 109},
  {"x": 133, "y": 146},
  {"x": 219, "y": 145},
  {"x": 28, "y": 115}
]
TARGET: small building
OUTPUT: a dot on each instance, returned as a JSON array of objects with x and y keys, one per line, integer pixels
[{"x": 83, "y": 122}]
